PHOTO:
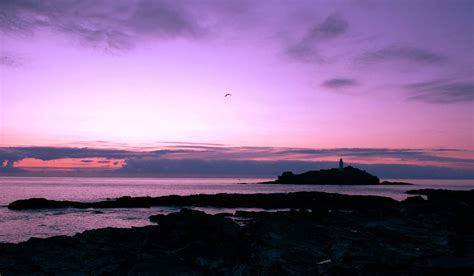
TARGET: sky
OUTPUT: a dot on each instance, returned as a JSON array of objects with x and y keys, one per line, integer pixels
[{"x": 138, "y": 86}]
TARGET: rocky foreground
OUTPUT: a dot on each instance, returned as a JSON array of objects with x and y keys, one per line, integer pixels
[{"x": 381, "y": 236}]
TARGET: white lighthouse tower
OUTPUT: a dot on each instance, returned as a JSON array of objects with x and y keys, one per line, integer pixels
[{"x": 341, "y": 165}]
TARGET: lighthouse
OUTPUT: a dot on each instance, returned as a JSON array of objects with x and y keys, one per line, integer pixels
[{"x": 341, "y": 165}]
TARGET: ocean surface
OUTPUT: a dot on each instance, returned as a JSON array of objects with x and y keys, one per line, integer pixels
[{"x": 17, "y": 226}]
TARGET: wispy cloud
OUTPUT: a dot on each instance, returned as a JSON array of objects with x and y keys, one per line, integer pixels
[
  {"x": 107, "y": 24},
  {"x": 9, "y": 60},
  {"x": 222, "y": 153},
  {"x": 306, "y": 49},
  {"x": 441, "y": 92},
  {"x": 407, "y": 54},
  {"x": 339, "y": 83}
]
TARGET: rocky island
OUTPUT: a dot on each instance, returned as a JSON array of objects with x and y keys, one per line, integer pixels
[
  {"x": 324, "y": 234},
  {"x": 337, "y": 176}
]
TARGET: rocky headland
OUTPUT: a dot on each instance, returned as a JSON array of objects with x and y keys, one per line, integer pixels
[{"x": 327, "y": 234}]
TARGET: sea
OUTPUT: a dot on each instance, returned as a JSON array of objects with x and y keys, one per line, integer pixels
[{"x": 18, "y": 226}]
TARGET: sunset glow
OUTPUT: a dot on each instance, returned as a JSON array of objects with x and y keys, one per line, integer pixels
[{"x": 390, "y": 75}]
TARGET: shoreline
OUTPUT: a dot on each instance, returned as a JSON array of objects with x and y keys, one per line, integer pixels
[
  {"x": 329, "y": 234},
  {"x": 226, "y": 200}
]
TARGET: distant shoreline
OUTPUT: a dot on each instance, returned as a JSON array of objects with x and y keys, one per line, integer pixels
[{"x": 194, "y": 177}]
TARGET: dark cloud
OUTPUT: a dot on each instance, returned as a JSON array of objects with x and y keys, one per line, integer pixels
[
  {"x": 201, "y": 152},
  {"x": 339, "y": 83},
  {"x": 13, "y": 154},
  {"x": 87, "y": 161},
  {"x": 191, "y": 143},
  {"x": 9, "y": 60},
  {"x": 402, "y": 154},
  {"x": 250, "y": 168},
  {"x": 306, "y": 49},
  {"x": 7, "y": 166},
  {"x": 409, "y": 54},
  {"x": 51, "y": 153},
  {"x": 333, "y": 26},
  {"x": 240, "y": 161},
  {"x": 441, "y": 92},
  {"x": 108, "y": 24}
]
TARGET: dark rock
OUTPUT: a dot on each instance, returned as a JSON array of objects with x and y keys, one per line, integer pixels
[
  {"x": 298, "y": 200},
  {"x": 446, "y": 196},
  {"x": 224, "y": 215},
  {"x": 40, "y": 203},
  {"x": 395, "y": 183},
  {"x": 360, "y": 235},
  {"x": 346, "y": 176},
  {"x": 414, "y": 200},
  {"x": 156, "y": 218}
]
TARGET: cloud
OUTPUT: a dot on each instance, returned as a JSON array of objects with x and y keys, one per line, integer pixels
[
  {"x": 226, "y": 153},
  {"x": 9, "y": 60},
  {"x": 424, "y": 155},
  {"x": 13, "y": 154},
  {"x": 227, "y": 161},
  {"x": 87, "y": 161},
  {"x": 306, "y": 49},
  {"x": 339, "y": 83},
  {"x": 441, "y": 92},
  {"x": 408, "y": 54},
  {"x": 333, "y": 26},
  {"x": 251, "y": 168},
  {"x": 108, "y": 24}
]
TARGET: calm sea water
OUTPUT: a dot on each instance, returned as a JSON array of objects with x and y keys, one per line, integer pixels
[{"x": 18, "y": 226}]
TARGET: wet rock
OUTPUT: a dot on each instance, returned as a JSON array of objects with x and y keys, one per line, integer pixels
[{"x": 414, "y": 200}]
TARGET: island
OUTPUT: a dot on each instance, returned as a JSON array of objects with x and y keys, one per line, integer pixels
[{"x": 337, "y": 176}]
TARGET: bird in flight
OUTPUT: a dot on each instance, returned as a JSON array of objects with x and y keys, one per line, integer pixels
[{"x": 228, "y": 94}]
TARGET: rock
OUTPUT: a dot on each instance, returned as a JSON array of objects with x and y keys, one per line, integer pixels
[
  {"x": 297, "y": 200},
  {"x": 414, "y": 200},
  {"x": 41, "y": 203},
  {"x": 346, "y": 176},
  {"x": 224, "y": 214},
  {"x": 156, "y": 218},
  {"x": 395, "y": 183},
  {"x": 441, "y": 196},
  {"x": 362, "y": 235}
]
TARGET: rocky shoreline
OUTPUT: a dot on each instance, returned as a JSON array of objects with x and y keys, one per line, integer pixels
[
  {"x": 327, "y": 234},
  {"x": 297, "y": 200}
]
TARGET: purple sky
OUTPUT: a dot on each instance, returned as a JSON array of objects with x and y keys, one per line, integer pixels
[{"x": 303, "y": 75}]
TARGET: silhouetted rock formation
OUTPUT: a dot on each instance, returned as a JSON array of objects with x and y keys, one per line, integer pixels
[
  {"x": 267, "y": 201},
  {"x": 347, "y": 176},
  {"x": 395, "y": 183},
  {"x": 433, "y": 236}
]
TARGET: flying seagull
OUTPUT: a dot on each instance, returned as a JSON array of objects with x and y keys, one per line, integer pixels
[{"x": 228, "y": 94}]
